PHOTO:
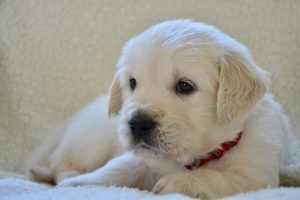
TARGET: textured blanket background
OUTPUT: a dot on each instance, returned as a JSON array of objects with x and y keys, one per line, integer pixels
[
  {"x": 56, "y": 55},
  {"x": 18, "y": 189}
]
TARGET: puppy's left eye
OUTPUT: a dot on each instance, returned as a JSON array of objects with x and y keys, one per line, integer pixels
[{"x": 184, "y": 87}]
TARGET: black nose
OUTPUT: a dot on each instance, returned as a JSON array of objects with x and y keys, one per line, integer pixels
[{"x": 141, "y": 125}]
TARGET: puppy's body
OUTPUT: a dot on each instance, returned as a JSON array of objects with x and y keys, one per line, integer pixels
[{"x": 181, "y": 89}]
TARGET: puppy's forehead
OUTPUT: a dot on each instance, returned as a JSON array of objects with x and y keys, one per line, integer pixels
[{"x": 169, "y": 50}]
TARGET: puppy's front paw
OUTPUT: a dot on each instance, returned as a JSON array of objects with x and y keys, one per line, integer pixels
[{"x": 182, "y": 183}]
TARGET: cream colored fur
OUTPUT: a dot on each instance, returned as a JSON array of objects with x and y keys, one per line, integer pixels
[{"x": 231, "y": 96}]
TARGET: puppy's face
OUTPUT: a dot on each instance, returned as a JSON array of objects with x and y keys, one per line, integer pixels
[{"x": 172, "y": 86}]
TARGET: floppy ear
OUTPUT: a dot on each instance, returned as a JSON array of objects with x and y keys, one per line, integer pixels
[
  {"x": 115, "y": 97},
  {"x": 241, "y": 85}
]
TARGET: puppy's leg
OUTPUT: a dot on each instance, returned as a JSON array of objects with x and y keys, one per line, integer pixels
[
  {"x": 290, "y": 169},
  {"x": 208, "y": 184},
  {"x": 37, "y": 165},
  {"x": 84, "y": 143},
  {"x": 124, "y": 170}
]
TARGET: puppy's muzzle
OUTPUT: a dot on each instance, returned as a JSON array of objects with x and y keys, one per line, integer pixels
[{"x": 141, "y": 126}]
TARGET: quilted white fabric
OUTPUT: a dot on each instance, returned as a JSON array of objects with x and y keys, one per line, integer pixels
[
  {"x": 17, "y": 189},
  {"x": 56, "y": 55}
]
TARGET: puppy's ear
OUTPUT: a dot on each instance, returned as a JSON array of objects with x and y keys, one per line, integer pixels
[
  {"x": 241, "y": 85},
  {"x": 115, "y": 97}
]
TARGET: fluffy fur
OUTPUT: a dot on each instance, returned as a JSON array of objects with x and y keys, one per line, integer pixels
[{"x": 230, "y": 96}]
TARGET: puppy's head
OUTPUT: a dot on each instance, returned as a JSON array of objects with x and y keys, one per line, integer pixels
[{"x": 178, "y": 84}]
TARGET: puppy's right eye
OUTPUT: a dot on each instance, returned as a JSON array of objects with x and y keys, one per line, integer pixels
[{"x": 132, "y": 83}]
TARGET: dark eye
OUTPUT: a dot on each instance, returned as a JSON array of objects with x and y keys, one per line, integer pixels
[
  {"x": 132, "y": 83},
  {"x": 184, "y": 87}
]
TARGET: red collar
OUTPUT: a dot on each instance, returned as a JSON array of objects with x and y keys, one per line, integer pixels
[{"x": 217, "y": 153}]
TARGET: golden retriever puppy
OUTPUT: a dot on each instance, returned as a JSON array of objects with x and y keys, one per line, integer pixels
[{"x": 192, "y": 111}]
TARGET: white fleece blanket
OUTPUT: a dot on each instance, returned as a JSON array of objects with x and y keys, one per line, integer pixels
[{"x": 14, "y": 189}]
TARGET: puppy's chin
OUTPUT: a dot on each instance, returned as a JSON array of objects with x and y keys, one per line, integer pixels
[{"x": 147, "y": 151}]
